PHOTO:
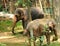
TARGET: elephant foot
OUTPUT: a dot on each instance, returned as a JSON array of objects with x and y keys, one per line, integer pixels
[
  {"x": 13, "y": 33},
  {"x": 54, "y": 39}
]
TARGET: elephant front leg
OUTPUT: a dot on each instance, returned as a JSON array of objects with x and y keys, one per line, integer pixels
[
  {"x": 14, "y": 23},
  {"x": 24, "y": 24},
  {"x": 54, "y": 31},
  {"x": 56, "y": 36},
  {"x": 48, "y": 39},
  {"x": 32, "y": 39}
]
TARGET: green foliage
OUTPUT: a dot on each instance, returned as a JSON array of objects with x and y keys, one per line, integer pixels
[
  {"x": 29, "y": 3},
  {"x": 5, "y": 26},
  {"x": 55, "y": 44},
  {"x": 1, "y": 44},
  {"x": 22, "y": 3},
  {"x": 0, "y": 7},
  {"x": 15, "y": 44}
]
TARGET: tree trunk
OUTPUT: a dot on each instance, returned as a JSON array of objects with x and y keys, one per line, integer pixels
[
  {"x": 4, "y": 5},
  {"x": 12, "y": 7}
]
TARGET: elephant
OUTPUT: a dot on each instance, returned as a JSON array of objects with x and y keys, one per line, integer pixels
[
  {"x": 40, "y": 27},
  {"x": 22, "y": 14}
]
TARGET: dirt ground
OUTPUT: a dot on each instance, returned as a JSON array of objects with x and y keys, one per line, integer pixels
[{"x": 9, "y": 38}]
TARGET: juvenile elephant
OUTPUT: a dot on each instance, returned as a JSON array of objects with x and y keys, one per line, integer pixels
[
  {"x": 22, "y": 14},
  {"x": 39, "y": 27}
]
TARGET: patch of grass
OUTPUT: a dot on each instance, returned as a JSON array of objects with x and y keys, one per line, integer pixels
[
  {"x": 55, "y": 44},
  {"x": 24, "y": 44},
  {"x": 5, "y": 26},
  {"x": 13, "y": 44}
]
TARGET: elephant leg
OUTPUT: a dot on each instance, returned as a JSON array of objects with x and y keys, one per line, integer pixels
[
  {"x": 32, "y": 43},
  {"x": 14, "y": 24},
  {"x": 24, "y": 24},
  {"x": 56, "y": 36},
  {"x": 29, "y": 44},
  {"x": 48, "y": 38},
  {"x": 31, "y": 40},
  {"x": 54, "y": 32}
]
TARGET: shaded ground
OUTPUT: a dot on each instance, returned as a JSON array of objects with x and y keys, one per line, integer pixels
[{"x": 8, "y": 37}]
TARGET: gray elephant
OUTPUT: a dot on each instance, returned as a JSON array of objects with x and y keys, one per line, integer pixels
[
  {"x": 40, "y": 27},
  {"x": 22, "y": 14}
]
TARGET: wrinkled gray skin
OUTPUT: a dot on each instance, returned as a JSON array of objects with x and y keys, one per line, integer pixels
[
  {"x": 22, "y": 14},
  {"x": 38, "y": 26}
]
